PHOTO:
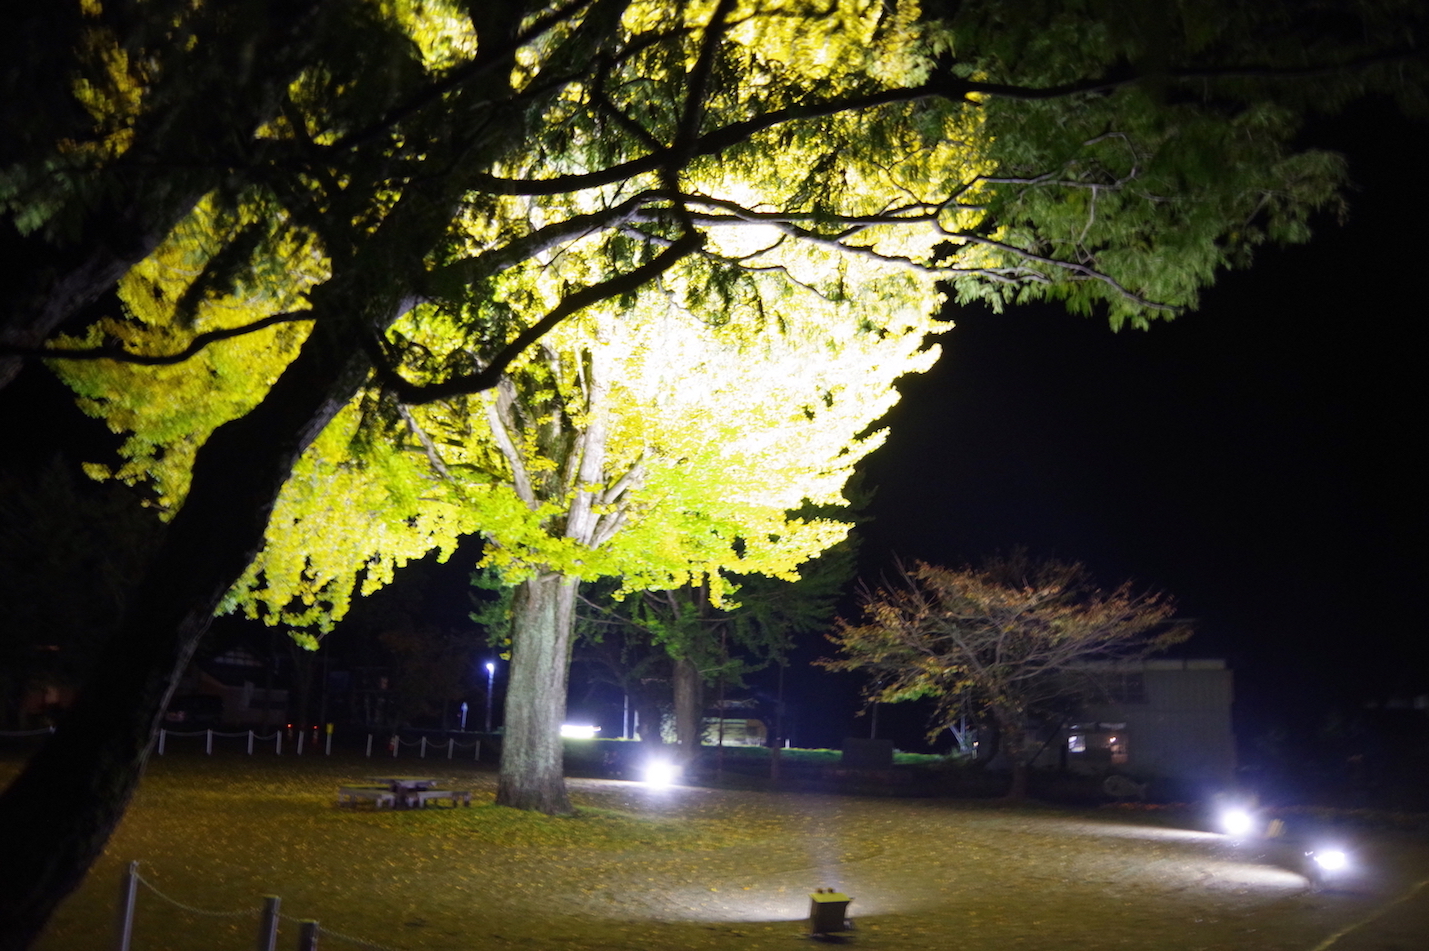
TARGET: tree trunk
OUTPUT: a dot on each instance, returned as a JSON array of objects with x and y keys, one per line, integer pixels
[
  {"x": 543, "y": 623},
  {"x": 57, "y": 815},
  {"x": 1017, "y": 792},
  {"x": 648, "y": 713},
  {"x": 1012, "y": 735},
  {"x": 689, "y": 707}
]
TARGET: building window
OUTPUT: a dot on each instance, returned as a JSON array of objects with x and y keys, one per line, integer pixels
[
  {"x": 1117, "y": 746},
  {"x": 1098, "y": 743}
]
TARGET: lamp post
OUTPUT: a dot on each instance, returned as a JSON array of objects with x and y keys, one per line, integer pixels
[{"x": 490, "y": 677}]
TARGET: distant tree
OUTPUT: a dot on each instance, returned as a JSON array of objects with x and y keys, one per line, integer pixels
[
  {"x": 1014, "y": 635},
  {"x": 432, "y": 669},
  {"x": 61, "y": 535},
  {"x": 689, "y": 644}
]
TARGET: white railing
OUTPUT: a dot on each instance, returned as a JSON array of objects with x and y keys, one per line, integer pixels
[{"x": 394, "y": 744}]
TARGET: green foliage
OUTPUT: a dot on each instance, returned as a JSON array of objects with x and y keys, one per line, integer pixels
[
  {"x": 727, "y": 225},
  {"x": 842, "y": 167}
]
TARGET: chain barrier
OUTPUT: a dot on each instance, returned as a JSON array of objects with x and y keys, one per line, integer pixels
[
  {"x": 338, "y": 935},
  {"x": 249, "y": 913},
  {"x": 41, "y": 730},
  {"x": 255, "y": 913}
]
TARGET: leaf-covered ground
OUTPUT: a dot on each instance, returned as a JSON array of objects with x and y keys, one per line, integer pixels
[{"x": 688, "y": 868}]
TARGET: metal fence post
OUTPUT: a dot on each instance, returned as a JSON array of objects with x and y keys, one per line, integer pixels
[
  {"x": 124, "y": 916},
  {"x": 268, "y": 923},
  {"x": 308, "y": 936}
]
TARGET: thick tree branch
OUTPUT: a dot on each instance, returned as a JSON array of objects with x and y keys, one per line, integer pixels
[
  {"x": 485, "y": 63},
  {"x": 472, "y": 269},
  {"x": 120, "y": 355},
  {"x": 573, "y": 303}
]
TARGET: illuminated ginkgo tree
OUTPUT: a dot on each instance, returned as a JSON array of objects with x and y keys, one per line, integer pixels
[
  {"x": 661, "y": 441},
  {"x": 380, "y": 207}
]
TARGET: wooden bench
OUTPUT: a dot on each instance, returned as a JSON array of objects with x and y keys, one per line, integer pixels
[
  {"x": 420, "y": 797},
  {"x": 379, "y": 796}
]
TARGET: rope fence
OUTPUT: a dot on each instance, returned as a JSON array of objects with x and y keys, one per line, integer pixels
[
  {"x": 268, "y": 917},
  {"x": 421, "y": 744}
]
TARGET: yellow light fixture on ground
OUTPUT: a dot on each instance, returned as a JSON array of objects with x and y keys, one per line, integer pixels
[{"x": 828, "y": 912}]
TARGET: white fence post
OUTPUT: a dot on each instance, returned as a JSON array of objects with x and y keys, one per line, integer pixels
[
  {"x": 300, "y": 743},
  {"x": 208, "y": 743},
  {"x": 451, "y": 745},
  {"x": 278, "y": 735},
  {"x": 308, "y": 936},
  {"x": 422, "y": 754},
  {"x": 478, "y": 751},
  {"x": 268, "y": 923},
  {"x": 250, "y": 742},
  {"x": 162, "y": 731},
  {"x": 396, "y": 742},
  {"x": 369, "y": 746},
  {"x": 328, "y": 751},
  {"x": 124, "y": 918}
]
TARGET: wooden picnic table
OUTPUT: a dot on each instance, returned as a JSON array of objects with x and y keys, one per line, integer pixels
[
  {"x": 405, "y": 783},
  {"x": 413, "y": 792}
]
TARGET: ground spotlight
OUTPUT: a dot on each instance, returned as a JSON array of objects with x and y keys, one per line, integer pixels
[
  {"x": 1331, "y": 860},
  {"x": 1323, "y": 865},
  {"x": 660, "y": 773},
  {"x": 1237, "y": 821}
]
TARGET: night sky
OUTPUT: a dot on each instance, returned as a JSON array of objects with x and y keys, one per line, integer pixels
[
  {"x": 1256, "y": 459},
  {"x": 1261, "y": 459}
]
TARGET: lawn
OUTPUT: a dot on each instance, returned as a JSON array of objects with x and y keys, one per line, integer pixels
[{"x": 686, "y": 868}]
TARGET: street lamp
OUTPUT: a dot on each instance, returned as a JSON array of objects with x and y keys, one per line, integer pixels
[{"x": 490, "y": 676}]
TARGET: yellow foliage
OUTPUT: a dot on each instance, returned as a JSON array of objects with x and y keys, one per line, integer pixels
[{"x": 660, "y": 438}]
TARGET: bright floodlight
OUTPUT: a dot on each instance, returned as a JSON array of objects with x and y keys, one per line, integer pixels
[
  {"x": 1331, "y": 860},
  {"x": 660, "y": 773},
  {"x": 1237, "y": 822},
  {"x": 578, "y": 731}
]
